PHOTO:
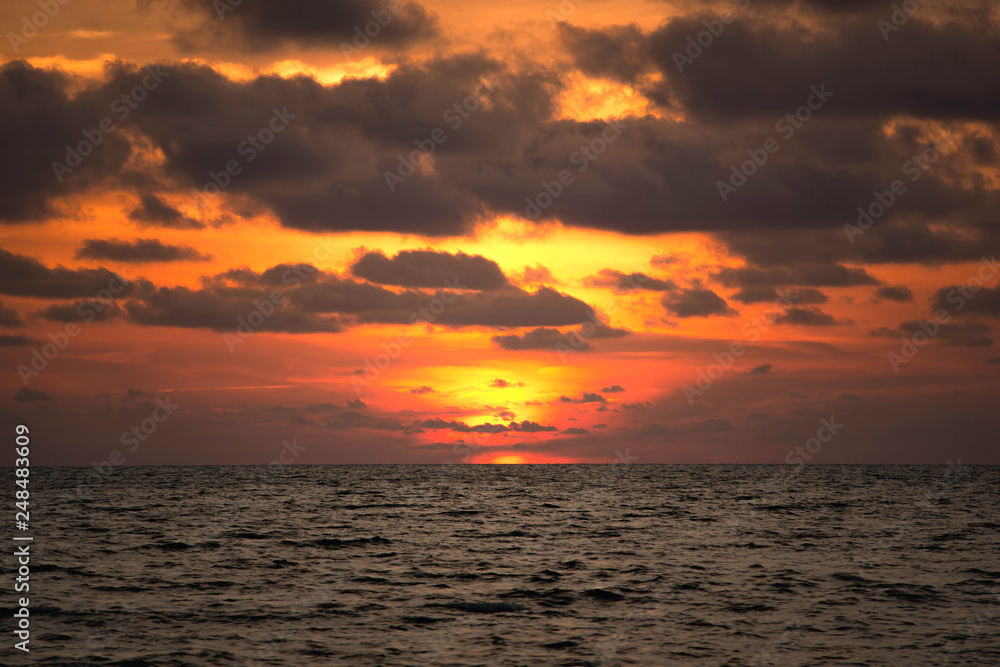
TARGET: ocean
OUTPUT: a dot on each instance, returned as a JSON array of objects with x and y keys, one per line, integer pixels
[{"x": 463, "y": 565}]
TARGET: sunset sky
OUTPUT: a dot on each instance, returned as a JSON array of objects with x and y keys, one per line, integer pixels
[{"x": 500, "y": 232}]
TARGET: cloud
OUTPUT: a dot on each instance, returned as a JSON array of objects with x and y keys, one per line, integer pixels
[
  {"x": 961, "y": 299},
  {"x": 917, "y": 236},
  {"x": 461, "y": 427},
  {"x": 25, "y": 276},
  {"x": 422, "y": 390},
  {"x": 152, "y": 211},
  {"x": 26, "y": 395},
  {"x": 500, "y": 383},
  {"x": 622, "y": 282},
  {"x": 222, "y": 309},
  {"x": 307, "y": 295},
  {"x": 809, "y": 316},
  {"x": 618, "y": 52},
  {"x": 40, "y": 121},
  {"x": 530, "y": 427},
  {"x": 849, "y": 57},
  {"x": 327, "y": 170},
  {"x": 575, "y": 431},
  {"x": 86, "y": 310},
  {"x": 9, "y": 317},
  {"x": 541, "y": 338},
  {"x": 586, "y": 397},
  {"x": 548, "y": 338},
  {"x": 613, "y": 389},
  {"x": 697, "y": 302},
  {"x": 266, "y": 25},
  {"x": 138, "y": 251},
  {"x": 512, "y": 307},
  {"x": 899, "y": 293},
  {"x": 538, "y": 275},
  {"x": 431, "y": 268},
  {"x": 763, "y": 369},
  {"x": 16, "y": 340},
  {"x": 964, "y": 334},
  {"x": 761, "y": 293},
  {"x": 811, "y": 275}
]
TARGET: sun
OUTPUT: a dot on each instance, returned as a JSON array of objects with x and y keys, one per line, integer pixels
[{"x": 508, "y": 458}]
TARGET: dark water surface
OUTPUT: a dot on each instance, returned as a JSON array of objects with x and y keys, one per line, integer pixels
[{"x": 515, "y": 565}]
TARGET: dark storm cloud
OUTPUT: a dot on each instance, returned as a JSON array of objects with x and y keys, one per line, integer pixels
[
  {"x": 511, "y": 307},
  {"x": 626, "y": 282},
  {"x": 26, "y": 395},
  {"x": 963, "y": 334},
  {"x": 21, "y": 275},
  {"x": 326, "y": 169},
  {"x": 541, "y": 338},
  {"x": 895, "y": 242},
  {"x": 461, "y": 427},
  {"x": 811, "y": 275},
  {"x": 9, "y": 317},
  {"x": 586, "y": 397},
  {"x": 265, "y": 25},
  {"x": 761, "y": 65},
  {"x": 663, "y": 176},
  {"x": 221, "y": 309},
  {"x": 39, "y": 121},
  {"x": 152, "y": 211},
  {"x": 547, "y": 338},
  {"x": 834, "y": 6},
  {"x": 967, "y": 300},
  {"x": 516, "y": 308},
  {"x": 86, "y": 310},
  {"x": 305, "y": 300},
  {"x": 16, "y": 340},
  {"x": 808, "y": 316},
  {"x": 138, "y": 251},
  {"x": 430, "y": 268},
  {"x": 760, "y": 293},
  {"x": 900, "y": 293},
  {"x": 697, "y": 302},
  {"x": 618, "y": 52}
]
